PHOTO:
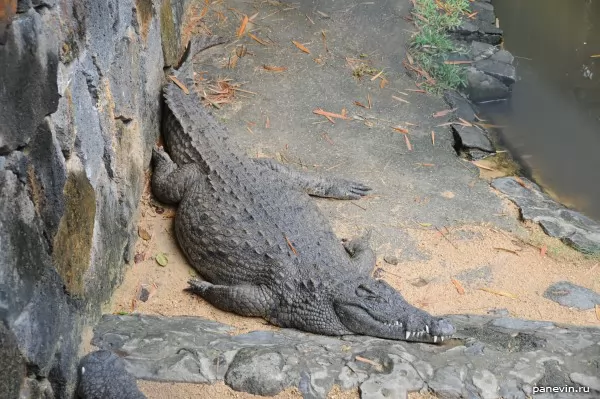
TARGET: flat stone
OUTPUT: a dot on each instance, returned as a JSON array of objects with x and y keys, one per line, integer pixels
[
  {"x": 503, "y": 56},
  {"x": 487, "y": 384},
  {"x": 392, "y": 260},
  {"x": 485, "y": 12},
  {"x": 506, "y": 73},
  {"x": 268, "y": 362},
  {"x": 570, "y": 226},
  {"x": 589, "y": 381},
  {"x": 481, "y": 51},
  {"x": 471, "y": 137},
  {"x": 482, "y": 87},
  {"x": 464, "y": 108},
  {"x": 572, "y": 295},
  {"x": 258, "y": 371}
]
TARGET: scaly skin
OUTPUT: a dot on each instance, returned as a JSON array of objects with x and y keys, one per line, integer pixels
[
  {"x": 261, "y": 245},
  {"x": 102, "y": 375}
]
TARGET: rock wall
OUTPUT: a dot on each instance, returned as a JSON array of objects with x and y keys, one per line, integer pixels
[{"x": 80, "y": 85}]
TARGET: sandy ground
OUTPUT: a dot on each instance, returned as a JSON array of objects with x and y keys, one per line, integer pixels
[{"x": 462, "y": 268}]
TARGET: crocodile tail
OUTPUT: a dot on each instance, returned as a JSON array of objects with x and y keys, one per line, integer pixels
[{"x": 185, "y": 72}]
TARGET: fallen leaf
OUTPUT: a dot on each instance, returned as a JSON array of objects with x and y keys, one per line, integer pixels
[
  {"x": 369, "y": 100},
  {"x": 410, "y": 58},
  {"x": 543, "y": 250},
  {"x": 253, "y": 16},
  {"x": 289, "y": 243},
  {"x": 445, "y": 112},
  {"x": 324, "y": 41},
  {"x": 400, "y": 129},
  {"x": 162, "y": 259},
  {"x": 458, "y": 286},
  {"x": 143, "y": 233},
  {"x": 242, "y": 28},
  {"x": 506, "y": 250},
  {"x": 416, "y": 90},
  {"x": 418, "y": 282},
  {"x": 258, "y": 39},
  {"x": 595, "y": 56},
  {"x": 425, "y": 224},
  {"x": 268, "y": 123},
  {"x": 178, "y": 83},
  {"x": 482, "y": 166},
  {"x": 376, "y": 76},
  {"x": 520, "y": 181},
  {"x": 446, "y": 124},
  {"x": 301, "y": 47},
  {"x": 273, "y": 68},
  {"x": 327, "y": 138},
  {"x": 326, "y": 114},
  {"x": 408, "y": 145},
  {"x": 400, "y": 99},
  {"x": 359, "y": 104},
  {"x": 383, "y": 83},
  {"x": 464, "y": 122},
  {"x": 498, "y": 292},
  {"x": 426, "y": 164},
  {"x": 373, "y": 363},
  {"x": 432, "y": 137}
]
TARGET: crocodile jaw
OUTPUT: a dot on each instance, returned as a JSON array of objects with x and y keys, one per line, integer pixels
[{"x": 414, "y": 325}]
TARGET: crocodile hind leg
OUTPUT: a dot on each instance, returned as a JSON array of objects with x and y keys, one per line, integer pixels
[
  {"x": 318, "y": 185},
  {"x": 361, "y": 253},
  {"x": 168, "y": 181},
  {"x": 245, "y": 300}
]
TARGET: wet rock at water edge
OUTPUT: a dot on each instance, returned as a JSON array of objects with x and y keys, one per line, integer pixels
[
  {"x": 482, "y": 87},
  {"x": 572, "y": 295},
  {"x": 471, "y": 137},
  {"x": 573, "y": 228}
]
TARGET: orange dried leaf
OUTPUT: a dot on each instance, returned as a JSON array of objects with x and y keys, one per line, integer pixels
[
  {"x": 498, "y": 292},
  {"x": 416, "y": 90},
  {"x": 257, "y": 39},
  {"x": 242, "y": 28},
  {"x": 273, "y": 68},
  {"x": 426, "y": 164},
  {"x": 458, "y": 62},
  {"x": 520, "y": 181},
  {"x": 301, "y": 47},
  {"x": 445, "y": 112},
  {"x": 178, "y": 83},
  {"x": 506, "y": 250},
  {"x": 268, "y": 123},
  {"x": 465, "y": 123},
  {"x": 408, "y": 145},
  {"x": 319, "y": 111},
  {"x": 400, "y": 129},
  {"x": 458, "y": 286},
  {"x": 359, "y": 104},
  {"x": 383, "y": 83},
  {"x": 376, "y": 76},
  {"x": 543, "y": 250},
  {"x": 482, "y": 166}
]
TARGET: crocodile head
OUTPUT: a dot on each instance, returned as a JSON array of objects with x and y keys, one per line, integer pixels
[{"x": 372, "y": 307}]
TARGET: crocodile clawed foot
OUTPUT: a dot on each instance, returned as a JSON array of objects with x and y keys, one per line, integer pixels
[
  {"x": 348, "y": 189},
  {"x": 198, "y": 286}
]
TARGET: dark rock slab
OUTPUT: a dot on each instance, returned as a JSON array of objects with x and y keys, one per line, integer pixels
[
  {"x": 573, "y": 228},
  {"x": 506, "y": 73},
  {"x": 471, "y": 137},
  {"x": 464, "y": 108},
  {"x": 488, "y": 358},
  {"x": 482, "y": 87},
  {"x": 503, "y": 56},
  {"x": 572, "y": 295},
  {"x": 481, "y": 51}
]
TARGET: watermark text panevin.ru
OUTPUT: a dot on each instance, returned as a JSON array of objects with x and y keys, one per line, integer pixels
[{"x": 563, "y": 389}]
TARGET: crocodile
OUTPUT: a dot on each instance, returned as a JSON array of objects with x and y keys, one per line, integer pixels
[
  {"x": 102, "y": 375},
  {"x": 258, "y": 241}
]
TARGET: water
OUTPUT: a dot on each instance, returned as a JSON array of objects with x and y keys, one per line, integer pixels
[{"x": 552, "y": 122}]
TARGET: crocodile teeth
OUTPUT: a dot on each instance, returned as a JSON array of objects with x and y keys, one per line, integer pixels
[
  {"x": 427, "y": 328},
  {"x": 407, "y": 334},
  {"x": 435, "y": 339}
]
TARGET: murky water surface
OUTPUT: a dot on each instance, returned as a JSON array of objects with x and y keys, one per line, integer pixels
[{"x": 553, "y": 120}]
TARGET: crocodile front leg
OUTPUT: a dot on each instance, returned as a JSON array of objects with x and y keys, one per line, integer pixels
[
  {"x": 361, "y": 254},
  {"x": 168, "y": 181},
  {"x": 318, "y": 185},
  {"x": 245, "y": 300}
]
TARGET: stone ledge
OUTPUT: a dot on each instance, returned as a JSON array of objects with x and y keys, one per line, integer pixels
[{"x": 489, "y": 358}]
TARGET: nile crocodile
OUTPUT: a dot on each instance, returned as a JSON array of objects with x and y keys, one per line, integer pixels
[{"x": 250, "y": 229}]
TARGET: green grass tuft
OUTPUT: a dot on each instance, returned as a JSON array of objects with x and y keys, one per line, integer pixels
[{"x": 431, "y": 44}]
